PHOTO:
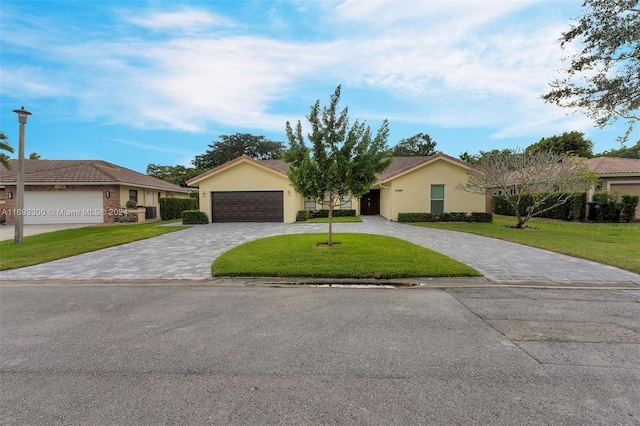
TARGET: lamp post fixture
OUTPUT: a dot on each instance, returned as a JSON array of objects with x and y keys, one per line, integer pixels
[{"x": 22, "y": 120}]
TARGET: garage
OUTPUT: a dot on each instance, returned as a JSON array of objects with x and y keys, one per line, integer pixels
[
  {"x": 55, "y": 207},
  {"x": 247, "y": 206}
]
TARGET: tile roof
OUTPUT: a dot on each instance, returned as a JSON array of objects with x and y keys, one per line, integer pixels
[
  {"x": 82, "y": 172},
  {"x": 614, "y": 165}
]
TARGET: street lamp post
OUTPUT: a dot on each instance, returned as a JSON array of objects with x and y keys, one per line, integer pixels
[{"x": 22, "y": 119}]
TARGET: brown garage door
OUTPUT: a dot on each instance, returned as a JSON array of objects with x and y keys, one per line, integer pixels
[{"x": 247, "y": 206}]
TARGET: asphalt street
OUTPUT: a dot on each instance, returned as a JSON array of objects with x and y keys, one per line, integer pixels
[{"x": 179, "y": 353}]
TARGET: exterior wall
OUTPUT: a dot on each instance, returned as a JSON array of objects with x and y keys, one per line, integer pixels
[
  {"x": 245, "y": 176},
  {"x": 147, "y": 197},
  {"x": 410, "y": 193}
]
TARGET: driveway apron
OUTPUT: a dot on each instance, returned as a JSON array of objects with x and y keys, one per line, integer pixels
[{"x": 190, "y": 252}]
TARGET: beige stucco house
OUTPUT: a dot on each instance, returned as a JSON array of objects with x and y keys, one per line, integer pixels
[
  {"x": 248, "y": 190},
  {"x": 81, "y": 191}
]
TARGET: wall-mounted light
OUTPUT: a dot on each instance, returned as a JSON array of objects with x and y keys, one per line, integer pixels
[
  {"x": 10, "y": 195},
  {"x": 107, "y": 194}
]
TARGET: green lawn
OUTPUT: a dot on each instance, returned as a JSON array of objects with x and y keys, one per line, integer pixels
[
  {"x": 359, "y": 256},
  {"x": 615, "y": 244},
  {"x": 42, "y": 248}
]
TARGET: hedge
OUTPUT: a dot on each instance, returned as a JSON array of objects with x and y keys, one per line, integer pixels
[
  {"x": 446, "y": 217},
  {"x": 629, "y": 204},
  {"x": 303, "y": 215},
  {"x": 172, "y": 208},
  {"x": 194, "y": 217},
  {"x": 574, "y": 209}
]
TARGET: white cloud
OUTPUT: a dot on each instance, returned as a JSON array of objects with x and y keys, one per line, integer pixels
[{"x": 186, "y": 20}]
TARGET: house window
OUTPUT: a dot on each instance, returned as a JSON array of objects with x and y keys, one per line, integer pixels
[
  {"x": 437, "y": 198},
  {"x": 133, "y": 195},
  {"x": 309, "y": 203},
  {"x": 345, "y": 202}
]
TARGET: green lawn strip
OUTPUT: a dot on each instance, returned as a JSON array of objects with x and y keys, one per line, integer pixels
[
  {"x": 615, "y": 244},
  {"x": 56, "y": 245},
  {"x": 335, "y": 219},
  {"x": 358, "y": 256}
]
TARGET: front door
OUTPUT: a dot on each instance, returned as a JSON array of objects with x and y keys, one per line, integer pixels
[{"x": 370, "y": 203}]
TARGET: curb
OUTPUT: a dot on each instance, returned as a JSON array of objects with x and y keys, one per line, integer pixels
[{"x": 290, "y": 282}]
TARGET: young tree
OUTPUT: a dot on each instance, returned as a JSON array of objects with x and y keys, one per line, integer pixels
[
  {"x": 230, "y": 147},
  {"x": 603, "y": 78},
  {"x": 4, "y": 146},
  {"x": 343, "y": 160},
  {"x": 570, "y": 143},
  {"x": 420, "y": 144},
  {"x": 540, "y": 175}
]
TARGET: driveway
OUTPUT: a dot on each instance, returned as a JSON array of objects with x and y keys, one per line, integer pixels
[{"x": 190, "y": 252}]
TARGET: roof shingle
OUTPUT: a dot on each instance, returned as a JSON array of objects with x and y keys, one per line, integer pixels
[{"x": 614, "y": 165}]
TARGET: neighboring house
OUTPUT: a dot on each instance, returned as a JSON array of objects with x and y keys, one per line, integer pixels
[
  {"x": 621, "y": 175},
  {"x": 80, "y": 191},
  {"x": 248, "y": 190}
]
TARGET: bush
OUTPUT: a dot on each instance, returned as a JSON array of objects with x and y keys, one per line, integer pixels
[
  {"x": 609, "y": 208},
  {"x": 126, "y": 217},
  {"x": 629, "y": 204},
  {"x": 445, "y": 217},
  {"x": 573, "y": 209},
  {"x": 130, "y": 204},
  {"x": 172, "y": 208},
  {"x": 336, "y": 213},
  {"x": 303, "y": 215},
  {"x": 194, "y": 217}
]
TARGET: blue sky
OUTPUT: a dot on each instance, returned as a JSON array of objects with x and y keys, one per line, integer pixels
[{"x": 139, "y": 82}]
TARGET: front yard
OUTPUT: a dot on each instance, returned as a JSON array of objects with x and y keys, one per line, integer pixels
[{"x": 615, "y": 244}]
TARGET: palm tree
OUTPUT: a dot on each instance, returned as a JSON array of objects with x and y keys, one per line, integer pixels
[
  {"x": 34, "y": 156},
  {"x": 4, "y": 146}
]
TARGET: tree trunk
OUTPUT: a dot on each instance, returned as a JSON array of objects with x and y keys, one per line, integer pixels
[{"x": 329, "y": 241}]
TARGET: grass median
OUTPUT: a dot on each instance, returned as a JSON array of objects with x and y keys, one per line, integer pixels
[
  {"x": 56, "y": 245},
  {"x": 357, "y": 256},
  {"x": 615, "y": 244}
]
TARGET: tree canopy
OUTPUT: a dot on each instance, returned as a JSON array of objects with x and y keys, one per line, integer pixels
[
  {"x": 483, "y": 155},
  {"x": 603, "y": 78},
  {"x": 624, "y": 152},
  {"x": 419, "y": 144},
  {"x": 539, "y": 175},
  {"x": 570, "y": 143},
  {"x": 230, "y": 147},
  {"x": 178, "y": 175},
  {"x": 343, "y": 160}
]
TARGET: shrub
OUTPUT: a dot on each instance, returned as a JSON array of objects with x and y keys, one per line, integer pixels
[
  {"x": 172, "y": 208},
  {"x": 336, "y": 213},
  {"x": 445, "y": 217},
  {"x": 126, "y": 217},
  {"x": 130, "y": 204},
  {"x": 303, "y": 215},
  {"x": 629, "y": 204},
  {"x": 573, "y": 209},
  {"x": 481, "y": 217},
  {"x": 609, "y": 208},
  {"x": 194, "y": 217}
]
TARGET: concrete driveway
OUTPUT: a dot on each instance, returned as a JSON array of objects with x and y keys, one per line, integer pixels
[{"x": 189, "y": 254}]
